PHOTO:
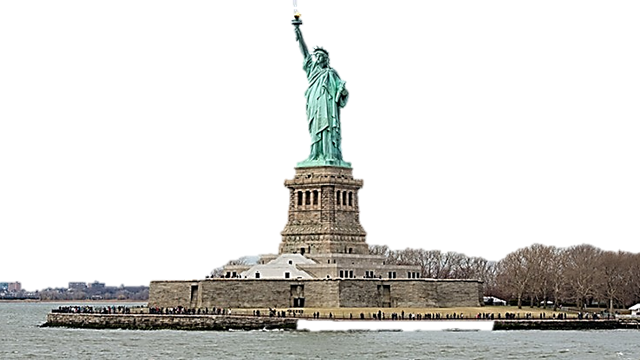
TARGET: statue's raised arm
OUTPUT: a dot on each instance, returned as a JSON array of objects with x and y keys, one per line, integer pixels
[{"x": 303, "y": 45}]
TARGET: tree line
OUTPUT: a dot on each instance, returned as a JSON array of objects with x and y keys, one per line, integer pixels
[
  {"x": 538, "y": 275},
  {"x": 140, "y": 293}
]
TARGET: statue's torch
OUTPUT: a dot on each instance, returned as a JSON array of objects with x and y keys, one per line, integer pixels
[{"x": 296, "y": 15}]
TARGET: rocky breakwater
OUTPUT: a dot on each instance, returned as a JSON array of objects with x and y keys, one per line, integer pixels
[{"x": 173, "y": 322}]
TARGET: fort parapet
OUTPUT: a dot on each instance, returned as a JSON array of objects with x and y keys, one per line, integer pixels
[{"x": 316, "y": 293}]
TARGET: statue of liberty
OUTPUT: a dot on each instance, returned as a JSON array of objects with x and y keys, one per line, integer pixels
[{"x": 325, "y": 95}]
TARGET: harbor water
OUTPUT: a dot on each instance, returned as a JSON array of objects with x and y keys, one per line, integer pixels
[{"x": 22, "y": 338}]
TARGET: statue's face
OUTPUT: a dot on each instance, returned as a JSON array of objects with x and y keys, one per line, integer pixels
[{"x": 322, "y": 59}]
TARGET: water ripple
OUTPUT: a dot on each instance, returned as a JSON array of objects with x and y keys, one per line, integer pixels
[{"x": 21, "y": 338}]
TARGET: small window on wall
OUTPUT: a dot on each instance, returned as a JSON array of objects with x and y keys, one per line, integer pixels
[
  {"x": 299, "y": 198},
  {"x": 287, "y": 275},
  {"x": 341, "y": 273},
  {"x": 315, "y": 197},
  {"x": 350, "y": 198},
  {"x": 307, "y": 197},
  {"x": 257, "y": 275},
  {"x": 338, "y": 198}
]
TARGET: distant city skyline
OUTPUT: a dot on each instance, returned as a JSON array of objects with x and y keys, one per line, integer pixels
[
  {"x": 150, "y": 140},
  {"x": 17, "y": 285}
]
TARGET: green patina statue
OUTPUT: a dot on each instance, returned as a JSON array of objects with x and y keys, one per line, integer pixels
[{"x": 325, "y": 96}]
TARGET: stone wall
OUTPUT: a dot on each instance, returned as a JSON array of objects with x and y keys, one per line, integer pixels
[
  {"x": 318, "y": 293},
  {"x": 245, "y": 293},
  {"x": 453, "y": 293},
  {"x": 416, "y": 293},
  {"x": 360, "y": 293},
  {"x": 174, "y": 322},
  {"x": 322, "y": 293},
  {"x": 171, "y": 292}
]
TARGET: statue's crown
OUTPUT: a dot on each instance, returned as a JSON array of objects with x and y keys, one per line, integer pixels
[{"x": 320, "y": 49}]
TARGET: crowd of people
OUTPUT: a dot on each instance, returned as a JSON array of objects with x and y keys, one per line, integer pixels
[
  {"x": 92, "y": 310},
  {"x": 179, "y": 310},
  {"x": 593, "y": 316},
  {"x": 379, "y": 315}
]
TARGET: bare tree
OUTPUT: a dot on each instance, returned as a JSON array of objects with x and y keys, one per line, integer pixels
[
  {"x": 407, "y": 256},
  {"x": 514, "y": 273},
  {"x": 218, "y": 272},
  {"x": 431, "y": 264},
  {"x": 437, "y": 265},
  {"x": 538, "y": 272},
  {"x": 490, "y": 280},
  {"x": 482, "y": 269},
  {"x": 632, "y": 290},
  {"x": 582, "y": 272},
  {"x": 615, "y": 276},
  {"x": 379, "y": 250},
  {"x": 557, "y": 266},
  {"x": 449, "y": 265},
  {"x": 541, "y": 262}
]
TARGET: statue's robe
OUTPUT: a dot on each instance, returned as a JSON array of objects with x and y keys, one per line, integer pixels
[{"x": 324, "y": 99}]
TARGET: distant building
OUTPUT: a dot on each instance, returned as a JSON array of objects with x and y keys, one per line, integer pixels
[
  {"x": 10, "y": 286},
  {"x": 97, "y": 285},
  {"x": 15, "y": 287},
  {"x": 77, "y": 285}
]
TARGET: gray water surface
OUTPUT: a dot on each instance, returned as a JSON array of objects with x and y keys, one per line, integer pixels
[{"x": 22, "y": 338}]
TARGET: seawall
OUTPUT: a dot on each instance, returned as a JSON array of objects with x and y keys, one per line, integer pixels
[
  {"x": 236, "y": 322},
  {"x": 564, "y": 324},
  {"x": 173, "y": 322}
]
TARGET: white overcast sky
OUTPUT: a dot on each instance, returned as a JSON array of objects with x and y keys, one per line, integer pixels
[{"x": 149, "y": 140}]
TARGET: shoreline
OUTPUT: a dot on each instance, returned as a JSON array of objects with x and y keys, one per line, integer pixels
[
  {"x": 247, "y": 322},
  {"x": 168, "y": 322}
]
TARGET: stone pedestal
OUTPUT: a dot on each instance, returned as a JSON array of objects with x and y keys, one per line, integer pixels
[{"x": 323, "y": 213}]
